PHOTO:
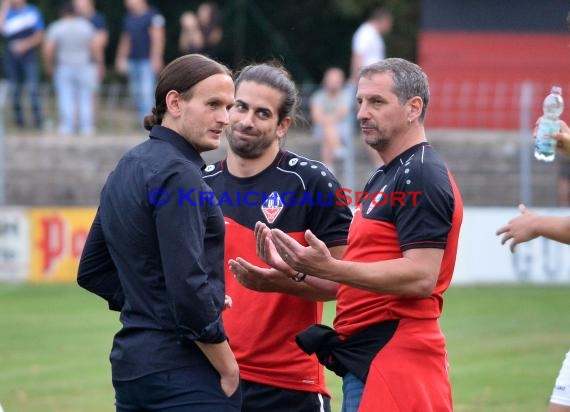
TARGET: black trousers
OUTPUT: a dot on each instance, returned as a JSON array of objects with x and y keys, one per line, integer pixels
[
  {"x": 262, "y": 398},
  {"x": 179, "y": 390}
]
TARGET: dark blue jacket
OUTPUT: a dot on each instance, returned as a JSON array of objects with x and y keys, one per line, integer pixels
[{"x": 158, "y": 256}]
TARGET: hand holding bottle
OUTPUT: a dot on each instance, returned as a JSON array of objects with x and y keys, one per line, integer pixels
[
  {"x": 548, "y": 125},
  {"x": 563, "y": 138}
]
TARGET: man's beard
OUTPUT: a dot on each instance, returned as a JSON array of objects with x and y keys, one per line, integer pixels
[
  {"x": 253, "y": 148},
  {"x": 378, "y": 142}
]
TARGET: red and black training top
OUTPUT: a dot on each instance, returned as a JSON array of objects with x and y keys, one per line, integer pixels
[
  {"x": 412, "y": 202},
  {"x": 293, "y": 194}
]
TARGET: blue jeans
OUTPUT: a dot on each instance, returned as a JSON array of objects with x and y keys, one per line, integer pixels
[
  {"x": 352, "y": 389},
  {"x": 141, "y": 86},
  {"x": 75, "y": 87},
  {"x": 23, "y": 71}
]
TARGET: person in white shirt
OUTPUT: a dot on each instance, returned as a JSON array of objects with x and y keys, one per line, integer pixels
[
  {"x": 367, "y": 48},
  {"x": 367, "y": 43}
]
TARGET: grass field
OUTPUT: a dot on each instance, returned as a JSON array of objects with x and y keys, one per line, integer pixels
[{"x": 505, "y": 344}]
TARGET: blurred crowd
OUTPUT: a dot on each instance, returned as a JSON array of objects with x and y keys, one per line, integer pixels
[{"x": 72, "y": 50}]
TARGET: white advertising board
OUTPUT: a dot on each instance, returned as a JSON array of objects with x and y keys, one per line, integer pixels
[
  {"x": 14, "y": 245},
  {"x": 482, "y": 259}
]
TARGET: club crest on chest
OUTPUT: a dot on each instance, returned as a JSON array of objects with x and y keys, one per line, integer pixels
[{"x": 272, "y": 207}]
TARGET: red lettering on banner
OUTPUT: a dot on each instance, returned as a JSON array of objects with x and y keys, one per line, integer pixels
[
  {"x": 78, "y": 239},
  {"x": 51, "y": 243},
  {"x": 56, "y": 240}
]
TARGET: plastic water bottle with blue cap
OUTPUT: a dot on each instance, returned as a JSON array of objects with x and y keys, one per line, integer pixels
[{"x": 548, "y": 124}]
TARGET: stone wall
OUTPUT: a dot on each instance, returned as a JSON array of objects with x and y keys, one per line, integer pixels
[{"x": 49, "y": 170}]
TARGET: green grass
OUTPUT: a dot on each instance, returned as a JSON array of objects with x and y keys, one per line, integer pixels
[{"x": 506, "y": 345}]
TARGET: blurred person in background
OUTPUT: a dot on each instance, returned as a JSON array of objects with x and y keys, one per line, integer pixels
[
  {"x": 269, "y": 308},
  {"x": 330, "y": 114},
  {"x": 368, "y": 47},
  {"x": 159, "y": 260},
  {"x": 530, "y": 225},
  {"x": 387, "y": 343},
  {"x": 367, "y": 42},
  {"x": 22, "y": 27},
  {"x": 140, "y": 53},
  {"x": 208, "y": 14},
  {"x": 86, "y": 9},
  {"x": 191, "y": 39},
  {"x": 69, "y": 49}
]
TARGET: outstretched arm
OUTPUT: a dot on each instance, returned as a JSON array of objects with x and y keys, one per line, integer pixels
[{"x": 530, "y": 225}]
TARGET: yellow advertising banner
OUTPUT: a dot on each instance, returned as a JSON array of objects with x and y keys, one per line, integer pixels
[{"x": 58, "y": 237}]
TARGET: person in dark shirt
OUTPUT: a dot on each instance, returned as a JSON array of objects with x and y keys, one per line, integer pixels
[
  {"x": 140, "y": 52},
  {"x": 209, "y": 19},
  {"x": 155, "y": 252},
  {"x": 275, "y": 374},
  {"x": 201, "y": 32},
  {"x": 191, "y": 39},
  {"x": 22, "y": 27}
]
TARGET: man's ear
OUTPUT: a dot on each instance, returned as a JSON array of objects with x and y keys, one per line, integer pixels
[
  {"x": 283, "y": 126},
  {"x": 173, "y": 103},
  {"x": 416, "y": 105}
]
